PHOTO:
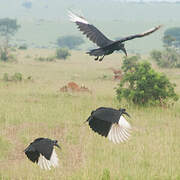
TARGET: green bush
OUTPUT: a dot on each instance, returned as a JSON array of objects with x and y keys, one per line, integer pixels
[
  {"x": 15, "y": 77},
  {"x": 6, "y": 77},
  {"x": 62, "y": 53},
  {"x": 23, "y": 47},
  {"x": 45, "y": 58},
  {"x": 169, "y": 58},
  {"x": 106, "y": 174},
  {"x": 3, "y": 56},
  {"x": 71, "y": 42},
  {"x": 142, "y": 85}
]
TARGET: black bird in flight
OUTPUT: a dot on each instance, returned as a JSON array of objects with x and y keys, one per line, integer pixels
[
  {"x": 42, "y": 152},
  {"x": 106, "y": 46},
  {"x": 110, "y": 123}
]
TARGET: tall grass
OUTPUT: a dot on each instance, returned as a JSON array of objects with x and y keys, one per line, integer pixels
[{"x": 31, "y": 109}]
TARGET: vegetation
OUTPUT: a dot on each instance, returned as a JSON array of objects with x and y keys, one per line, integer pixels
[
  {"x": 8, "y": 27},
  {"x": 50, "y": 58},
  {"x": 62, "y": 53},
  {"x": 71, "y": 42},
  {"x": 168, "y": 58},
  {"x": 172, "y": 37},
  {"x": 143, "y": 85},
  {"x": 23, "y": 47},
  {"x": 16, "y": 77},
  {"x": 37, "y": 109}
]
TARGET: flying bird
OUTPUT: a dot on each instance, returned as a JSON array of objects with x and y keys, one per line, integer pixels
[
  {"x": 110, "y": 123},
  {"x": 42, "y": 152},
  {"x": 106, "y": 46}
]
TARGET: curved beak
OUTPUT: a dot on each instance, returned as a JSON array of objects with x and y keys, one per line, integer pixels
[
  {"x": 124, "y": 50},
  {"x": 57, "y": 146},
  {"x": 127, "y": 114}
]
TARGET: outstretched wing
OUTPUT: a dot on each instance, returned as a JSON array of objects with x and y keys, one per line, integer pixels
[
  {"x": 90, "y": 31},
  {"x": 140, "y": 35}
]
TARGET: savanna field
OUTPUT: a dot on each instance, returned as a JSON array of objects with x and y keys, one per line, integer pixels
[{"x": 35, "y": 107}]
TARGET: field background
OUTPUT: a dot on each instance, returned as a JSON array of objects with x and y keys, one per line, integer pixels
[
  {"x": 47, "y": 20},
  {"x": 36, "y": 108}
]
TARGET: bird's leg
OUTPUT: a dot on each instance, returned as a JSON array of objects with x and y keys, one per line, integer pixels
[
  {"x": 101, "y": 58},
  {"x": 96, "y": 58}
]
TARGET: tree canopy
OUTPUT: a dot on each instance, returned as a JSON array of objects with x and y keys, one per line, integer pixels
[
  {"x": 71, "y": 42},
  {"x": 172, "y": 37}
]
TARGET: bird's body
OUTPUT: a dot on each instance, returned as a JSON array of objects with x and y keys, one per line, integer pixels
[
  {"x": 42, "y": 152},
  {"x": 109, "y": 49},
  {"x": 110, "y": 123},
  {"x": 106, "y": 45}
]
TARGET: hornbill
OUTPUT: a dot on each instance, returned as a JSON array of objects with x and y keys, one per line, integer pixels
[
  {"x": 106, "y": 46},
  {"x": 42, "y": 152},
  {"x": 110, "y": 123}
]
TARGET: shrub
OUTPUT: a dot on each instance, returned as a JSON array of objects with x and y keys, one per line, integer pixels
[
  {"x": 169, "y": 58},
  {"x": 62, "y": 53},
  {"x": 16, "y": 77},
  {"x": 23, "y": 47},
  {"x": 3, "y": 56},
  {"x": 71, "y": 42},
  {"x": 142, "y": 85},
  {"x": 106, "y": 175},
  {"x": 6, "y": 77},
  {"x": 45, "y": 58}
]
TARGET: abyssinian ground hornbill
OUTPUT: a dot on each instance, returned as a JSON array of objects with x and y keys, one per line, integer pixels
[
  {"x": 42, "y": 152},
  {"x": 106, "y": 46},
  {"x": 110, "y": 123}
]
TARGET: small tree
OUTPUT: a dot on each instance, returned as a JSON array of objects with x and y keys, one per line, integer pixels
[
  {"x": 8, "y": 27},
  {"x": 71, "y": 42},
  {"x": 62, "y": 53},
  {"x": 168, "y": 58},
  {"x": 142, "y": 85},
  {"x": 172, "y": 37}
]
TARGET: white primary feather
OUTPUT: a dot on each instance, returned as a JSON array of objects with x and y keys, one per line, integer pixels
[
  {"x": 119, "y": 132},
  {"x": 54, "y": 159},
  {"x": 75, "y": 18},
  {"x": 46, "y": 164}
]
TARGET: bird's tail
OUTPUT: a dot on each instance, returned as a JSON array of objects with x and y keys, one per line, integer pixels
[{"x": 96, "y": 52}]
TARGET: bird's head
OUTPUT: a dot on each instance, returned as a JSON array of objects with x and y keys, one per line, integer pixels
[
  {"x": 56, "y": 144},
  {"x": 123, "y": 111},
  {"x": 123, "y": 48}
]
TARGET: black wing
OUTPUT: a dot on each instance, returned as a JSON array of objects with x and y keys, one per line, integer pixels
[
  {"x": 139, "y": 35},
  {"x": 31, "y": 153},
  {"x": 107, "y": 114},
  {"x": 99, "y": 126},
  {"x": 44, "y": 146},
  {"x": 90, "y": 31}
]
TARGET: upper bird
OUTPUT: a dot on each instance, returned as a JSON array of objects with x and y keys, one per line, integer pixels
[
  {"x": 106, "y": 45},
  {"x": 41, "y": 151}
]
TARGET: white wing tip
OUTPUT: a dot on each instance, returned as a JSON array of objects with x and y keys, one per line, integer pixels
[
  {"x": 76, "y": 18},
  {"x": 124, "y": 123},
  {"x": 46, "y": 164},
  {"x": 118, "y": 134}
]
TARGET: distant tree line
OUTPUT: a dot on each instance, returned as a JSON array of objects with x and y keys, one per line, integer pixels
[
  {"x": 8, "y": 28},
  {"x": 170, "y": 56},
  {"x": 70, "y": 42}
]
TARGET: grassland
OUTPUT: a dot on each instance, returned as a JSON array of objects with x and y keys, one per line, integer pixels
[{"x": 36, "y": 108}]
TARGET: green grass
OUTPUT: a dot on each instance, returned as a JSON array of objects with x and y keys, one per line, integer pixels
[{"x": 36, "y": 108}]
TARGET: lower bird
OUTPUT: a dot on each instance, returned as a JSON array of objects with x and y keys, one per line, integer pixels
[
  {"x": 106, "y": 46},
  {"x": 110, "y": 123},
  {"x": 42, "y": 152}
]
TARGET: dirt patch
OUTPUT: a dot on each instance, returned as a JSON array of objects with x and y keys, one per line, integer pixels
[
  {"x": 73, "y": 87},
  {"x": 117, "y": 73}
]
